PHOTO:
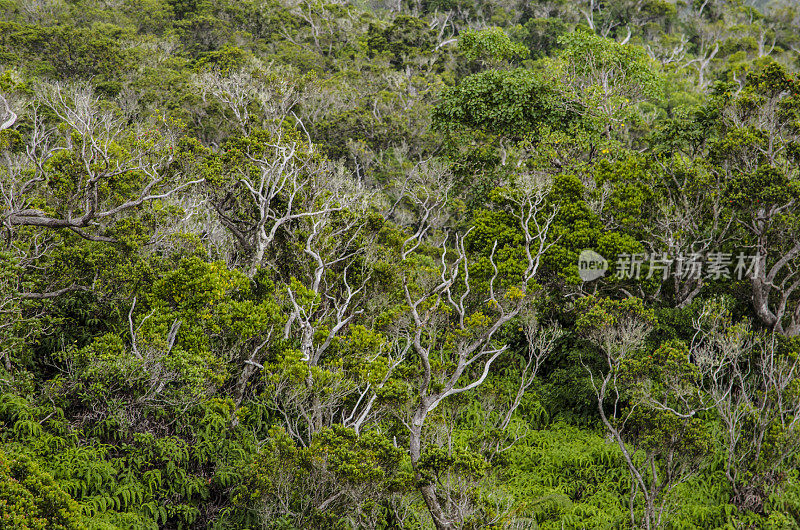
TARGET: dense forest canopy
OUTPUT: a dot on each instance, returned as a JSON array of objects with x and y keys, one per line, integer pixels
[{"x": 384, "y": 264}]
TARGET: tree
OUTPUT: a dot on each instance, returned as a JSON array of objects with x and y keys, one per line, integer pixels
[
  {"x": 30, "y": 497},
  {"x": 604, "y": 80},
  {"x": 757, "y": 152},
  {"x": 340, "y": 476},
  {"x": 257, "y": 96},
  {"x": 325, "y": 296},
  {"x": 491, "y": 46},
  {"x": 604, "y": 19},
  {"x": 750, "y": 379},
  {"x": 646, "y": 402},
  {"x": 709, "y": 36},
  {"x": 86, "y": 168},
  {"x": 454, "y": 321},
  {"x": 270, "y": 181},
  {"x": 511, "y": 104},
  {"x": 9, "y": 117},
  {"x": 693, "y": 220}
]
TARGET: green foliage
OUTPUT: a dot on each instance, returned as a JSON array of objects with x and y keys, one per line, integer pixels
[
  {"x": 407, "y": 37},
  {"x": 569, "y": 476},
  {"x": 631, "y": 71},
  {"x": 541, "y": 35},
  {"x": 340, "y": 478},
  {"x": 490, "y": 45},
  {"x": 512, "y": 103},
  {"x": 66, "y": 52},
  {"x": 598, "y": 314},
  {"x": 30, "y": 499},
  {"x": 226, "y": 60},
  {"x": 155, "y": 367}
]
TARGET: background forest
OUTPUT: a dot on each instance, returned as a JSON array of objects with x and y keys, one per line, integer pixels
[{"x": 314, "y": 264}]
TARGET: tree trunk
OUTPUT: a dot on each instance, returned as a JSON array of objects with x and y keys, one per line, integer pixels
[
  {"x": 241, "y": 384},
  {"x": 261, "y": 243},
  {"x": 428, "y": 491},
  {"x": 316, "y": 408}
]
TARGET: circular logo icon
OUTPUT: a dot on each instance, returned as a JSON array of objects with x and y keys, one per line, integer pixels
[{"x": 591, "y": 265}]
